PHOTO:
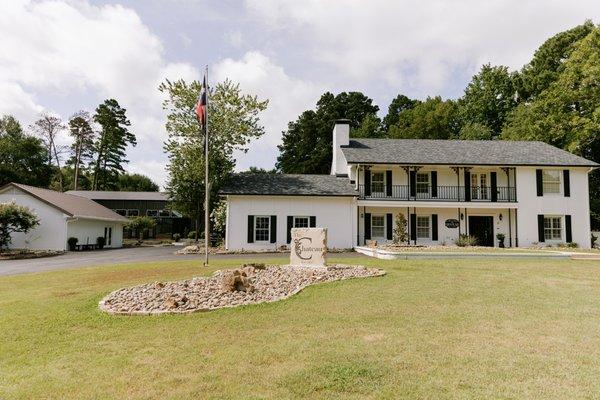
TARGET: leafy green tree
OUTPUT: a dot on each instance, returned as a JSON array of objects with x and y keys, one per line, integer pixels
[
  {"x": 15, "y": 219},
  {"x": 233, "y": 123},
  {"x": 135, "y": 183},
  {"x": 489, "y": 98},
  {"x": 23, "y": 158},
  {"x": 141, "y": 224},
  {"x": 475, "y": 131},
  {"x": 48, "y": 128},
  {"x": 567, "y": 113},
  {"x": 110, "y": 144},
  {"x": 548, "y": 61},
  {"x": 218, "y": 217},
  {"x": 397, "y": 106},
  {"x": 430, "y": 119},
  {"x": 82, "y": 148},
  {"x": 257, "y": 170},
  {"x": 370, "y": 127},
  {"x": 307, "y": 143}
]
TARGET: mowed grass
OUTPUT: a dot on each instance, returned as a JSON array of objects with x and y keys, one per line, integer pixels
[{"x": 435, "y": 329}]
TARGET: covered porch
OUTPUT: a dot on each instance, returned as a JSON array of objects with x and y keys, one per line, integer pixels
[{"x": 439, "y": 224}]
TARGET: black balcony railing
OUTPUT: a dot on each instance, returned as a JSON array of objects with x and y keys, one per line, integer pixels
[{"x": 439, "y": 193}]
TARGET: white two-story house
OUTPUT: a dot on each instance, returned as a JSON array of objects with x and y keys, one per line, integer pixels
[{"x": 531, "y": 192}]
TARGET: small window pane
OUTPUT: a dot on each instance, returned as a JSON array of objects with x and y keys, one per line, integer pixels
[
  {"x": 133, "y": 213},
  {"x": 551, "y": 181},
  {"x": 422, "y": 227},
  {"x": 377, "y": 182},
  {"x": 423, "y": 183},
  {"x": 300, "y": 222},
  {"x": 377, "y": 226},
  {"x": 261, "y": 231}
]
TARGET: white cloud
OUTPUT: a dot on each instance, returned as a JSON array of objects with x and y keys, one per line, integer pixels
[
  {"x": 71, "y": 48},
  {"x": 419, "y": 44},
  {"x": 288, "y": 97}
]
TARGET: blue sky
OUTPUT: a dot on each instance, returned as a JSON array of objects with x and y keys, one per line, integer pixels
[{"x": 60, "y": 56}]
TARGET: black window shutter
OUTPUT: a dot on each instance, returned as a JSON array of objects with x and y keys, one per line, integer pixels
[
  {"x": 273, "y": 228},
  {"x": 413, "y": 227},
  {"x": 434, "y": 227},
  {"x": 388, "y": 226},
  {"x": 541, "y": 237},
  {"x": 290, "y": 225},
  {"x": 567, "y": 183},
  {"x": 367, "y": 182},
  {"x": 312, "y": 222},
  {"x": 433, "y": 183},
  {"x": 367, "y": 226},
  {"x": 568, "y": 231},
  {"x": 250, "y": 228},
  {"x": 494, "y": 183},
  {"x": 413, "y": 183},
  {"x": 467, "y": 186},
  {"x": 539, "y": 183},
  {"x": 388, "y": 183}
]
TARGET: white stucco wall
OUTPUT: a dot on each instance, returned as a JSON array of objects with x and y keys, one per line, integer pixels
[
  {"x": 530, "y": 205},
  {"x": 337, "y": 214},
  {"x": 50, "y": 234},
  {"x": 88, "y": 231}
]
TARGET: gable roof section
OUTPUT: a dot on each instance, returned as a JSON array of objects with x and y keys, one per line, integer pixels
[
  {"x": 116, "y": 195},
  {"x": 288, "y": 185},
  {"x": 459, "y": 152},
  {"x": 73, "y": 206}
]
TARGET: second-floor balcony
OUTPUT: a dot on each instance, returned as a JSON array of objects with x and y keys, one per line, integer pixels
[{"x": 438, "y": 193}]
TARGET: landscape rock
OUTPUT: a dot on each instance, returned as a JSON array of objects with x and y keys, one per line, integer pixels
[{"x": 226, "y": 288}]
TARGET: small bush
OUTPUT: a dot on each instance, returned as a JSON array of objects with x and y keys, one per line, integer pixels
[
  {"x": 72, "y": 242},
  {"x": 100, "y": 241},
  {"x": 594, "y": 240},
  {"x": 192, "y": 235},
  {"x": 176, "y": 237},
  {"x": 466, "y": 240}
]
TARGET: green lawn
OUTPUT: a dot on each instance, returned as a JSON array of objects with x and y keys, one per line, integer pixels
[{"x": 435, "y": 329}]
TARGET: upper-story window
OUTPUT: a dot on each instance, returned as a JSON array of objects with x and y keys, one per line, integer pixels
[
  {"x": 551, "y": 181},
  {"x": 377, "y": 182},
  {"x": 423, "y": 182}
]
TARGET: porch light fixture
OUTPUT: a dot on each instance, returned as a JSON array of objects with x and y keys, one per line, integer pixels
[
  {"x": 462, "y": 216},
  {"x": 500, "y": 217}
]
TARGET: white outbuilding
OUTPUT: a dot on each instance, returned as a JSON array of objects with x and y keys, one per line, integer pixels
[{"x": 63, "y": 216}]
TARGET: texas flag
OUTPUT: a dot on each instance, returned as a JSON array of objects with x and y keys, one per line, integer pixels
[{"x": 200, "y": 108}]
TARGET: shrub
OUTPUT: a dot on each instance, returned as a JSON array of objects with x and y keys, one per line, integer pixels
[
  {"x": 140, "y": 224},
  {"x": 192, "y": 235},
  {"x": 594, "y": 240},
  {"x": 100, "y": 241},
  {"x": 72, "y": 242},
  {"x": 466, "y": 240},
  {"x": 176, "y": 237},
  {"x": 400, "y": 234},
  {"x": 15, "y": 218}
]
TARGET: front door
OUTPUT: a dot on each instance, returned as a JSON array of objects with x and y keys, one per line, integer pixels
[{"x": 482, "y": 228}]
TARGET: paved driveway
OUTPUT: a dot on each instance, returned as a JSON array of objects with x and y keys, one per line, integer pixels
[{"x": 118, "y": 256}]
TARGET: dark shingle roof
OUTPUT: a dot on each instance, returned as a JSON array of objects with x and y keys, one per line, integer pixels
[
  {"x": 73, "y": 206},
  {"x": 288, "y": 184},
  {"x": 115, "y": 195},
  {"x": 459, "y": 152}
]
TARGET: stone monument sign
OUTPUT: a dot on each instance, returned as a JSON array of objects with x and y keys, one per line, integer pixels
[{"x": 309, "y": 247}]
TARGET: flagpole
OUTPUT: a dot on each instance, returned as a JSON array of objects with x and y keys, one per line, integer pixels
[{"x": 206, "y": 184}]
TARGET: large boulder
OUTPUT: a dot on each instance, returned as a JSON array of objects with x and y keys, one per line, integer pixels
[{"x": 238, "y": 280}]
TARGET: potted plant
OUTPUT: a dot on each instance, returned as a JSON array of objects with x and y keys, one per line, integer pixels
[
  {"x": 500, "y": 238},
  {"x": 72, "y": 242},
  {"x": 100, "y": 241}
]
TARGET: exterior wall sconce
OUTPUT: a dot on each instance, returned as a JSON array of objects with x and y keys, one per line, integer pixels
[
  {"x": 462, "y": 216},
  {"x": 500, "y": 217}
]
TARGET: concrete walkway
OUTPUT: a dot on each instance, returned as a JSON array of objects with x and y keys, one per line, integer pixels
[
  {"x": 508, "y": 254},
  {"x": 123, "y": 256}
]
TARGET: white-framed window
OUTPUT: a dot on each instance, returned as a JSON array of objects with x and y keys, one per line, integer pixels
[
  {"x": 301, "y": 222},
  {"x": 133, "y": 213},
  {"x": 377, "y": 182},
  {"x": 422, "y": 183},
  {"x": 152, "y": 213},
  {"x": 553, "y": 228},
  {"x": 551, "y": 181},
  {"x": 377, "y": 226},
  {"x": 261, "y": 228},
  {"x": 423, "y": 227}
]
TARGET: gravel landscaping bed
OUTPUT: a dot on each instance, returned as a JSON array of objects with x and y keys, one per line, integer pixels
[{"x": 251, "y": 284}]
